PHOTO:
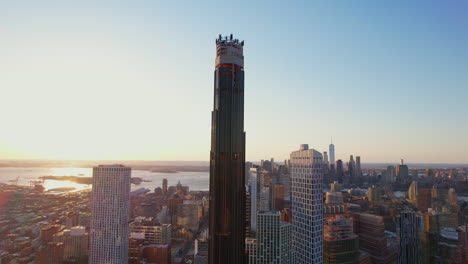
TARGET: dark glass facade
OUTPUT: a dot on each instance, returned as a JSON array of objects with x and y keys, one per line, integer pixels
[
  {"x": 342, "y": 251},
  {"x": 227, "y": 157}
]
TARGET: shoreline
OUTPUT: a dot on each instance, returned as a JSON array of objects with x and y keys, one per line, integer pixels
[{"x": 149, "y": 169}]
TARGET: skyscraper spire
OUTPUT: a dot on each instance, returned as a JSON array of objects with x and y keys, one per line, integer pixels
[{"x": 331, "y": 151}]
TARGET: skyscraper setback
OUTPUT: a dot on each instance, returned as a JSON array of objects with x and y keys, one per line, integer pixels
[
  {"x": 110, "y": 209},
  {"x": 227, "y": 156}
]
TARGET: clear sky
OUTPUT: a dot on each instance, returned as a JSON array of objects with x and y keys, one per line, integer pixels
[{"x": 134, "y": 79}]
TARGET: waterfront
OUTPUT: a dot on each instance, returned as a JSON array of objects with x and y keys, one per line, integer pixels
[{"x": 195, "y": 180}]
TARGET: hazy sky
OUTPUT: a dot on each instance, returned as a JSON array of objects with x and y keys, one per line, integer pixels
[{"x": 134, "y": 79}]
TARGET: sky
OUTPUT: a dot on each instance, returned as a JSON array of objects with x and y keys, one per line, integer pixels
[{"x": 133, "y": 80}]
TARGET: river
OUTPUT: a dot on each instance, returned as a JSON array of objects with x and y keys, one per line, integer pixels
[{"x": 197, "y": 181}]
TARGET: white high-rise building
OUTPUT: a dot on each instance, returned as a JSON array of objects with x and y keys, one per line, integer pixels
[
  {"x": 273, "y": 239},
  {"x": 253, "y": 199},
  {"x": 307, "y": 205},
  {"x": 251, "y": 248},
  {"x": 332, "y": 154},
  {"x": 110, "y": 209}
]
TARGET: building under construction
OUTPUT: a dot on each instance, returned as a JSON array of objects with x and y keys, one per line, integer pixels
[
  {"x": 341, "y": 245},
  {"x": 373, "y": 240}
]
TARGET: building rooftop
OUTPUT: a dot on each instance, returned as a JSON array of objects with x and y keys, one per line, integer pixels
[
  {"x": 230, "y": 40},
  {"x": 112, "y": 166},
  {"x": 77, "y": 230},
  {"x": 449, "y": 233}
]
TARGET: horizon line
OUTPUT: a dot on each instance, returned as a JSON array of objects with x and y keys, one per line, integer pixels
[{"x": 207, "y": 161}]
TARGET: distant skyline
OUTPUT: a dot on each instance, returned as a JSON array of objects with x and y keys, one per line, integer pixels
[{"x": 133, "y": 80}]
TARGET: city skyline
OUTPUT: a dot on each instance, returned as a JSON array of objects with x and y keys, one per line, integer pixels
[
  {"x": 106, "y": 155},
  {"x": 384, "y": 89}
]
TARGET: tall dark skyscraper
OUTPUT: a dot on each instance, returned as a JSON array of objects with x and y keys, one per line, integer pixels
[
  {"x": 409, "y": 227},
  {"x": 402, "y": 172},
  {"x": 358, "y": 167},
  {"x": 351, "y": 166},
  {"x": 164, "y": 186},
  {"x": 227, "y": 157},
  {"x": 339, "y": 171}
]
